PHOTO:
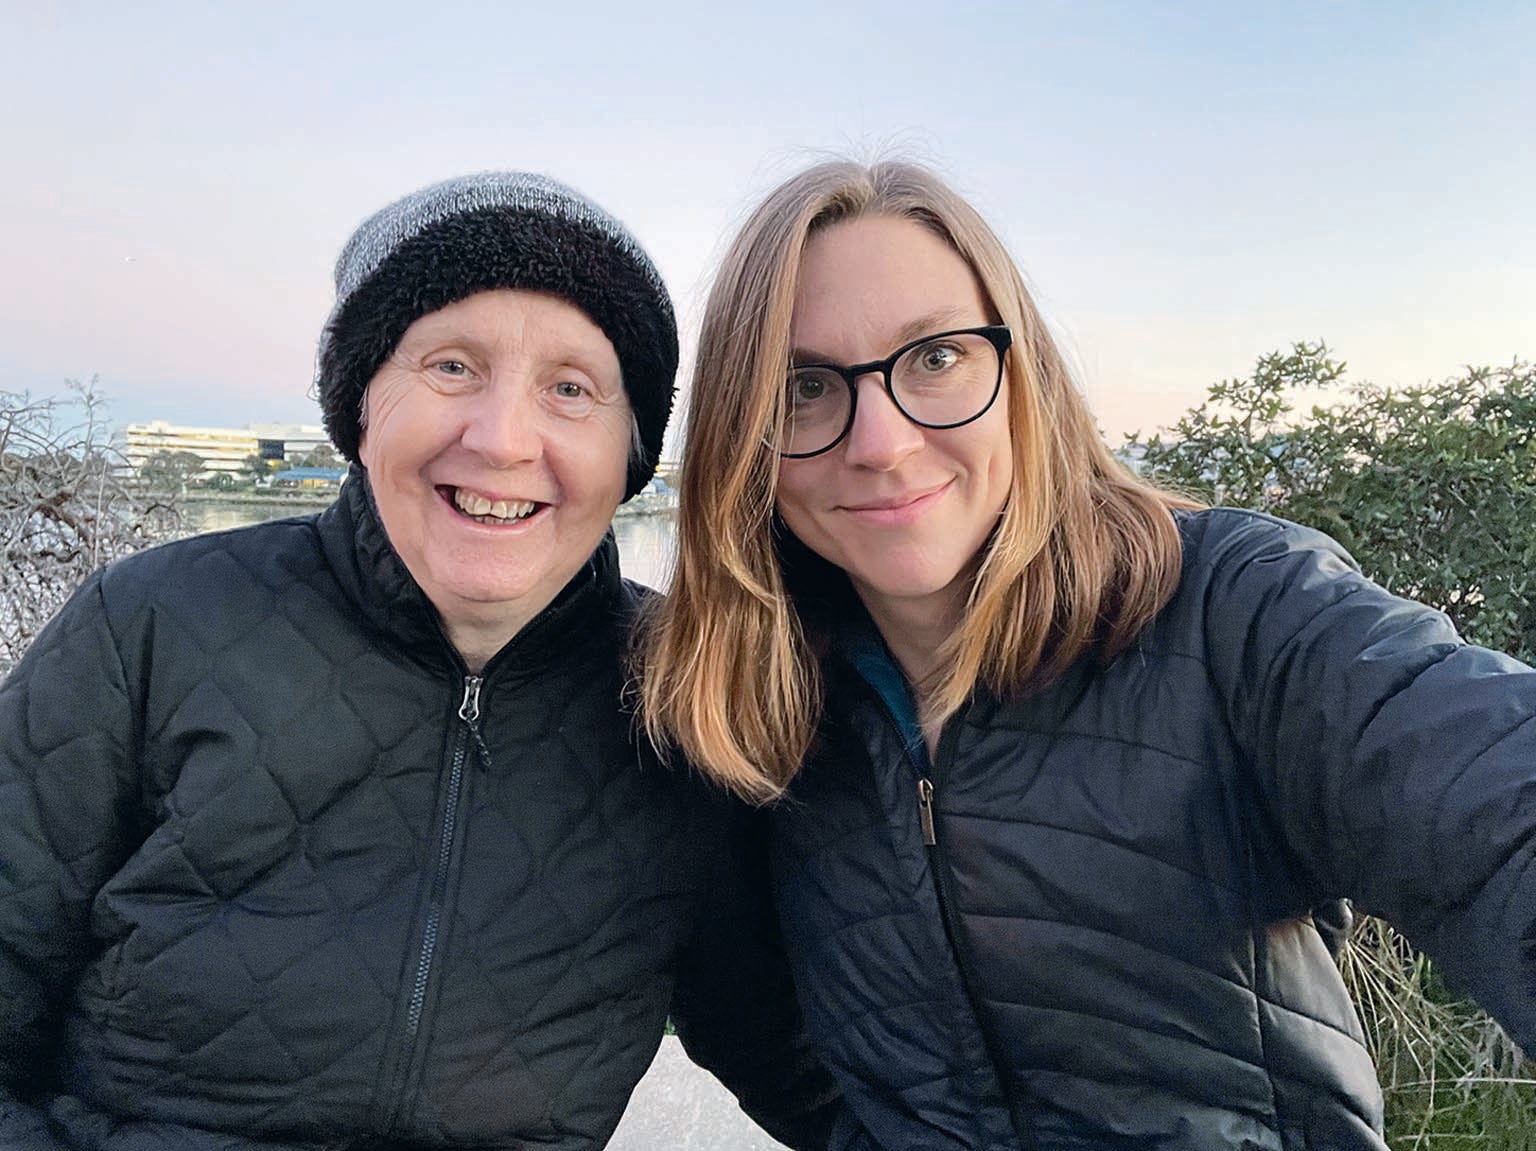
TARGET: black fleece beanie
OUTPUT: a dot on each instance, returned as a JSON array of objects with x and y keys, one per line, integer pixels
[{"x": 496, "y": 230}]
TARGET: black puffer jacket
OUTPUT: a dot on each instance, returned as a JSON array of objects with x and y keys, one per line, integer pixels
[
  {"x": 275, "y": 873},
  {"x": 1107, "y": 943}
]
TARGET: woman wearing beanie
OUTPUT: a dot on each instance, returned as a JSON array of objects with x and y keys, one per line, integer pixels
[
  {"x": 1069, "y": 762},
  {"x": 335, "y": 832}
]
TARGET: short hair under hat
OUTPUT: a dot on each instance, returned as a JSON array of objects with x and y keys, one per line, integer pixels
[{"x": 496, "y": 230}]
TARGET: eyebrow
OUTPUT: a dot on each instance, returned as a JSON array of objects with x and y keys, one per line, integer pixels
[{"x": 929, "y": 323}]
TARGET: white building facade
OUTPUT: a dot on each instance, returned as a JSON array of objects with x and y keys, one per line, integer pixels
[{"x": 221, "y": 449}]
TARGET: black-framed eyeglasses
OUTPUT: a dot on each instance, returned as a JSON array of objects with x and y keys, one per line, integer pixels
[{"x": 945, "y": 380}]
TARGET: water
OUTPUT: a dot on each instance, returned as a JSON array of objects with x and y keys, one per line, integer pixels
[
  {"x": 647, "y": 543},
  {"x": 647, "y": 547}
]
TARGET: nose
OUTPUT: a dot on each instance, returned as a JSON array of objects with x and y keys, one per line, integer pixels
[
  {"x": 502, "y": 424},
  {"x": 881, "y": 437}
]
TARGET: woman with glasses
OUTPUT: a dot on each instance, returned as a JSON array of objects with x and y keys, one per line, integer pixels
[{"x": 1067, "y": 762}]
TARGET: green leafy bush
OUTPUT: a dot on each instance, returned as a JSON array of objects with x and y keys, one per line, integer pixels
[{"x": 1432, "y": 489}]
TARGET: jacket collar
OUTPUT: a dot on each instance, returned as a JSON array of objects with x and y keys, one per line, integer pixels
[{"x": 377, "y": 582}]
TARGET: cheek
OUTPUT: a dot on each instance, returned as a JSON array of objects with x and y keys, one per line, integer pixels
[
  {"x": 592, "y": 458},
  {"x": 997, "y": 463},
  {"x": 381, "y": 404},
  {"x": 406, "y": 427},
  {"x": 786, "y": 494},
  {"x": 793, "y": 500},
  {"x": 1002, "y": 476},
  {"x": 365, "y": 450}
]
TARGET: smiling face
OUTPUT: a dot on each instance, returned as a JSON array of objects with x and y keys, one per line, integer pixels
[
  {"x": 495, "y": 438},
  {"x": 904, "y": 510}
]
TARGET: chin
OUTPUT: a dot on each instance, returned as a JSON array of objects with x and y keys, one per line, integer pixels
[
  {"x": 912, "y": 587},
  {"x": 481, "y": 587}
]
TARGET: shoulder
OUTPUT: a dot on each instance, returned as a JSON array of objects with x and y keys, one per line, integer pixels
[
  {"x": 638, "y": 597},
  {"x": 202, "y": 569},
  {"x": 1234, "y": 558},
  {"x": 1217, "y": 539},
  {"x": 1255, "y": 585},
  {"x": 630, "y": 605}
]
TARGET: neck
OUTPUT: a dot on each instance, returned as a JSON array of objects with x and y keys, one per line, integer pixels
[
  {"x": 915, "y": 629},
  {"x": 478, "y": 637}
]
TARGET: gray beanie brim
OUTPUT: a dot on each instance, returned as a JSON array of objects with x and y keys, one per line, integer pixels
[{"x": 498, "y": 230}]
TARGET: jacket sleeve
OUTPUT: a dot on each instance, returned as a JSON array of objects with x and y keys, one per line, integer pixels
[
  {"x": 734, "y": 1006},
  {"x": 1398, "y": 762},
  {"x": 65, "y": 790}
]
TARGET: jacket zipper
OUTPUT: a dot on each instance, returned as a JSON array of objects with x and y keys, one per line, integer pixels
[
  {"x": 469, "y": 715},
  {"x": 469, "y": 712},
  {"x": 925, "y": 811},
  {"x": 940, "y": 869}
]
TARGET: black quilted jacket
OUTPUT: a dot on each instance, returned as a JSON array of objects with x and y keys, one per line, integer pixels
[
  {"x": 1106, "y": 942},
  {"x": 275, "y": 873}
]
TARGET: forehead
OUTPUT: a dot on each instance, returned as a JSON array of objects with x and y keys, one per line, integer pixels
[
  {"x": 533, "y": 322},
  {"x": 864, "y": 281}
]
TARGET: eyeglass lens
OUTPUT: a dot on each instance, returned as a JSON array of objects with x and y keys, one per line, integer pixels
[{"x": 939, "y": 382}]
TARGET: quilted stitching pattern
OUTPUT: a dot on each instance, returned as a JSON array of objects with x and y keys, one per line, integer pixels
[
  {"x": 223, "y": 801},
  {"x": 1131, "y": 855}
]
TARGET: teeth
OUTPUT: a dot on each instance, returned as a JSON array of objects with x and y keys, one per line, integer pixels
[
  {"x": 479, "y": 507},
  {"x": 511, "y": 509}
]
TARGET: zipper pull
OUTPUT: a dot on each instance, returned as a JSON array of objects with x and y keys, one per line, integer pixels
[
  {"x": 925, "y": 811},
  {"x": 469, "y": 709}
]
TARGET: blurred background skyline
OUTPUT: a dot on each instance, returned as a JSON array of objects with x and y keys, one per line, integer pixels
[{"x": 1185, "y": 186}]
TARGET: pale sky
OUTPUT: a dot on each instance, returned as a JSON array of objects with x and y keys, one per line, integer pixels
[{"x": 1186, "y": 186}]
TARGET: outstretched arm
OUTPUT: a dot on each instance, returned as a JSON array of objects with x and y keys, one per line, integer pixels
[{"x": 1399, "y": 761}]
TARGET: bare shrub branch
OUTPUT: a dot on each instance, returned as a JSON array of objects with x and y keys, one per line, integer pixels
[{"x": 68, "y": 504}]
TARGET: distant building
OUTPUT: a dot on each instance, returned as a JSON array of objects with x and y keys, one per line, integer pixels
[
  {"x": 297, "y": 440},
  {"x": 316, "y": 478},
  {"x": 222, "y": 449},
  {"x": 656, "y": 496}
]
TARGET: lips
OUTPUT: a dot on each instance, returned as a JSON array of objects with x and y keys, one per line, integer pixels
[
  {"x": 485, "y": 509},
  {"x": 895, "y": 503}
]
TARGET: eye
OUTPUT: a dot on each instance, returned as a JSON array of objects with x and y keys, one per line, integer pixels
[
  {"x": 811, "y": 387},
  {"x": 806, "y": 388},
  {"x": 571, "y": 396},
  {"x": 938, "y": 356},
  {"x": 448, "y": 375}
]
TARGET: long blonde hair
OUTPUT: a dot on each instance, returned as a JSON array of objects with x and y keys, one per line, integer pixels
[{"x": 1084, "y": 555}]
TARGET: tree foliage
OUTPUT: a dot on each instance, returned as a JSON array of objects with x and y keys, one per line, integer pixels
[
  {"x": 66, "y": 507},
  {"x": 322, "y": 456},
  {"x": 1433, "y": 490},
  {"x": 254, "y": 469},
  {"x": 168, "y": 471}
]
